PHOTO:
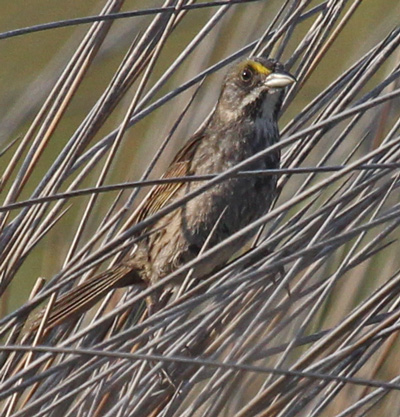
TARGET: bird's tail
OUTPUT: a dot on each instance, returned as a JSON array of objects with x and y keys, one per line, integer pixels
[{"x": 84, "y": 296}]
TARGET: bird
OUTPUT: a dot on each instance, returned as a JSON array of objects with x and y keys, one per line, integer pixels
[{"x": 243, "y": 123}]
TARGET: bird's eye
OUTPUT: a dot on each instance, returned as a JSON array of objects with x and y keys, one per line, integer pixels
[{"x": 246, "y": 75}]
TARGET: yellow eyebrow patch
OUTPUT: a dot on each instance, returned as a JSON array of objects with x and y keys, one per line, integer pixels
[{"x": 259, "y": 68}]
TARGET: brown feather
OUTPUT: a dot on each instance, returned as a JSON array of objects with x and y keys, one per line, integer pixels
[
  {"x": 162, "y": 194},
  {"x": 86, "y": 295}
]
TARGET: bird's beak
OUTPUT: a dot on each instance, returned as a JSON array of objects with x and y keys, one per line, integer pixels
[{"x": 279, "y": 80}]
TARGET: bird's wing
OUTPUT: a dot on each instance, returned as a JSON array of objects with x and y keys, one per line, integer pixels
[
  {"x": 162, "y": 194},
  {"x": 84, "y": 296}
]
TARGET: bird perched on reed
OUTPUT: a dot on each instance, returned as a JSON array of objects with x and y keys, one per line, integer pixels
[{"x": 243, "y": 123}]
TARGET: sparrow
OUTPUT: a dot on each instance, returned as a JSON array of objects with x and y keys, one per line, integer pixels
[{"x": 243, "y": 123}]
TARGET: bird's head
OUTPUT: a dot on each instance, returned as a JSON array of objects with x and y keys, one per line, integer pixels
[{"x": 253, "y": 88}]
